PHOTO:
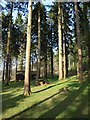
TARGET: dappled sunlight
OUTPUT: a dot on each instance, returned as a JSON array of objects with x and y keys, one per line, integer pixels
[
  {"x": 45, "y": 59},
  {"x": 43, "y": 107},
  {"x": 75, "y": 109},
  {"x": 46, "y": 101},
  {"x": 62, "y": 107}
]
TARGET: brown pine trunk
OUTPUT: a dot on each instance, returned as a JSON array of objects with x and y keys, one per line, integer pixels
[
  {"x": 51, "y": 52},
  {"x": 45, "y": 68},
  {"x": 45, "y": 61},
  {"x": 63, "y": 47},
  {"x": 32, "y": 62},
  {"x": 80, "y": 72},
  {"x": 86, "y": 32},
  {"x": 16, "y": 67},
  {"x": 51, "y": 62},
  {"x": 21, "y": 57},
  {"x": 66, "y": 63},
  {"x": 64, "y": 58},
  {"x": 89, "y": 61},
  {"x": 45, "y": 52},
  {"x": 39, "y": 43},
  {"x": 10, "y": 68},
  {"x": 3, "y": 75},
  {"x": 27, "y": 90},
  {"x": 21, "y": 63},
  {"x": 8, "y": 48},
  {"x": 60, "y": 42}
]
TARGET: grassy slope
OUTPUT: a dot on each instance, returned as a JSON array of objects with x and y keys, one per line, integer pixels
[{"x": 46, "y": 101}]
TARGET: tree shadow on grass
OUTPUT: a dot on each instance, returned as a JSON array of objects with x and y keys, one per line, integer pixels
[
  {"x": 51, "y": 86},
  {"x": 9, "y": 100},
  {"x": 9, "y": 94},
  {"x": 34, "y": 105},
  {"x": 19, "y": 84},
  {"x": 62, "y": 106},
  {"x": 59, "y": 107},
  {"x": 8, "y": 97},
  {"x": 65, "y": 103},
  {"x": 79, "y": 111},
  {"x": 12, "y": 85},
  {"x": 13, "y": 102}
]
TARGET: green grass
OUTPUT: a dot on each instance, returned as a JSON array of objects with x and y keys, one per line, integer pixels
[{"x": 46, "y": 101}]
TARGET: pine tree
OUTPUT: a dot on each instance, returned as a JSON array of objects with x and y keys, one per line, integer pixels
[
  {"x": 27, "y": 90},
  {"x": 39, "y": 43},
  {"x": 8, "y": 47},
  {"x": 60, "y": 41},
  {"x": 80, "y": 72}
]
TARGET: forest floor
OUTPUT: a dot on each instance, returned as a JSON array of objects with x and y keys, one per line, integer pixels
[{"x": 47, "y": 101}]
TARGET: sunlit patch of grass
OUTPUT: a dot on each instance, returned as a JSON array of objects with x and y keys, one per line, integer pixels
[
  {"x": 78, "y": 107},
  {"x": 45, "y": 101}
]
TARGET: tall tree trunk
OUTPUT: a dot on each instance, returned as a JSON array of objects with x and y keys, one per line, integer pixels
[
  {"x": 45, "y": 66},
  {"x": 45, "y": 61},
  {"x": 60, "y": 41},
  {"x": 51, "y": 51},
  {"x": 64, "y": 47},
  {"x": 64, "y": 58},
  {"x": 27, "y": 90},
  {"x": 87, "y": 32},
  {"x": 89, "y": 59},
  {"x": 51, "y": 62},
  {"x": 16, "y": 68},
  {"x": 21, "y": 63},
  {"x": 3, "y": 75},
  {"x": 69, "y": 61},
  {"x": 10, "y": 67},
  {"x": 88, "y": 45},
  {"x": 80, "y": 72},
  {"x": 32, "y": 61},
  {"x": 39, "y": 43},
  {"x": 45, "y": 52},
  {"x": 8, "y": 47},
  {"x": 22, "y": 56},
  {"x": 66, "y": 62}
]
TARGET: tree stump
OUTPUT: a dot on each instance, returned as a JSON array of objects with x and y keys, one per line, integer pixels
[{"x": 41, "y": 82}]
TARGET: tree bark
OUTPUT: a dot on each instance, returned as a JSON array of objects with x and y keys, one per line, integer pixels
[
  {"x": 3, "y": 75},
  {"x": 87, "y": 32},
  {"x": 39, "y": 43},
  {"x": 80, "y": 72},
  {"x": 89, "y": 61},
  {"x": 45, "y": 52},
  {"x": 51, "y": 62},
  {"x": 64, "y": 58},
  {"x": 21, "y": 63},
  {"x": 8, "y": 47},
  {"x": 51, "y": 51},
  {"x": 16, "y": 68},
  {"x": 21, "y": 57},
  {"x": 27, "y": 90},
  {"x": 32, "y": 61},
  {"x": 45, "y": 68},
  {"x": 60, "y": 42},
  {"x": 66, "y": 63},
  {"x": 10, "y": 67},
  {"x": 45, "y": 61},
  {"x": 64, "y": 47}
]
